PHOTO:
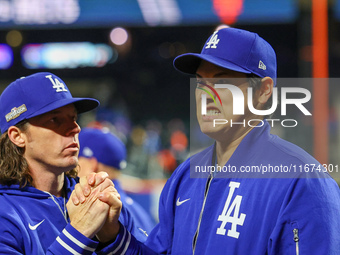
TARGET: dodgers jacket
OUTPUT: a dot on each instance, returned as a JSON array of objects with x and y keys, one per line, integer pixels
[
  {"x": 241, "y": 213},
  {"x": 141, "y": 217},
  {"x": 35, "y": 222}
]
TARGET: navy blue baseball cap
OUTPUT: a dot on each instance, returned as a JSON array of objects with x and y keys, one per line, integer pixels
[
  {"x": 101, "y": 144},
  {"x": 37, "y": 94},
  {"x": 235, "y": 49}
]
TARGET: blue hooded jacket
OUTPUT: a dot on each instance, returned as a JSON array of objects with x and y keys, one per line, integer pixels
[
  {"x": 294, "y": 209},
  {"x": 36, "y": 222}
]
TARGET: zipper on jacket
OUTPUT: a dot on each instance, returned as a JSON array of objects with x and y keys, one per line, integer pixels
[
  {"x": 207, "y": 186},
  {"x": 64, "y": 213},
  {"x": 296, "y": 240}
]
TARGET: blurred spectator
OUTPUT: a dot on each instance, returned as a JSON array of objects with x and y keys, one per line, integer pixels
[
  {"x": 137, "y": 156},
  {"x": 100, "y": 150}
]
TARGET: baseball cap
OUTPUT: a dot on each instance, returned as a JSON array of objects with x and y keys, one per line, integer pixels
[
  {"x": 235, "y": 49},
  {"x": 37, "y": 94},
  {"x": 101, "y": 144}
]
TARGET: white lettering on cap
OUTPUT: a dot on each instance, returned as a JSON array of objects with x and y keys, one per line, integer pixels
[
  {"x": 213, "y": 41},
  {"x": 59, "y": 86}
]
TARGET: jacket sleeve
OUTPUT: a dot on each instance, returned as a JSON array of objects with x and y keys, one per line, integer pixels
[
  {"x": 309, "y": 221},
  {"x": 126, "y": 244},
  {"x": 70, "y": 241},
  {"x": 160, "y": 239},
  {"x": 127, "y": 220}
]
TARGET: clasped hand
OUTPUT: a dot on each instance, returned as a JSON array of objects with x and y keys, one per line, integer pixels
[{"x": 94, "y": 207}]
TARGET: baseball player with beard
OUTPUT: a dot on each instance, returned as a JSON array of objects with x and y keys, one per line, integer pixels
[{"x": 237, "y": 213}]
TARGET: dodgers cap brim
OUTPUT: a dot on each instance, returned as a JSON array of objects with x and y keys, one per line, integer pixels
[
  {"x": 189, "y": 62},
  {"x": 81, "y": 104}
]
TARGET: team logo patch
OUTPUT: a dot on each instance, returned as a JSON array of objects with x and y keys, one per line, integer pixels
[{"x": 16, "y": 112}]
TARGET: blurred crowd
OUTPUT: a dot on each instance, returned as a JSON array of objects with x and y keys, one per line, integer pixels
[{"x": 154, "y": 148}]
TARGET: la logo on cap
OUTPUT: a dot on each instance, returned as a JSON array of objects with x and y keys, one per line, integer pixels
[
  {"x": 213, "y": 41},
  {"x": 59, "y": 86}
]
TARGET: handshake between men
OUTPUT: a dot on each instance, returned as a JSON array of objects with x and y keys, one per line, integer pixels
[{"x": 94, "y": 207}]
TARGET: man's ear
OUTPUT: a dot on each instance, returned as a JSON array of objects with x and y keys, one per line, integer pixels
[
  {"x": 16, "y": 136},
  {"x": 267, "y": 85}
]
